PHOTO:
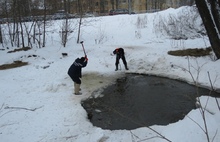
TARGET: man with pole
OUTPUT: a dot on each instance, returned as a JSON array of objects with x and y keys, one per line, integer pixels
[{"x": 75, "y": 71}]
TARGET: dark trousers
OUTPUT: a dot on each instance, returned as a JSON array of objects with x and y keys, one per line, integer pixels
[
  {"x": 76, "y": 79},
  {"x": 118, "y": 57}
]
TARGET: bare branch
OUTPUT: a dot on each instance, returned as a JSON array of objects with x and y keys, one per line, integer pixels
[
  {"x": 196, "y": 123},
  {"x": 213, "y": 90},
  {"x": 7, "y": 125},
  {"x": 7, "y": 107},
  {"x": 215, "y": 135}
]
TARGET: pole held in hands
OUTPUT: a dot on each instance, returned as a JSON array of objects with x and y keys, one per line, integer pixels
[{"x": 83, "y": 48}]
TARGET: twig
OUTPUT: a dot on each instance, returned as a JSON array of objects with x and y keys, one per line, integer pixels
[
  {"x": 2, "y": 106},
  {"x": 7, "y": 107},
  {"x": 148, "y": 138},
  {"x": 215, "y": 135},
  {"x": 6, "y": 113},
  {"x": 133, "y": 135},
  {"x": 213, "y": 90},
  {"x": 7, "y": 125},
  {"x": 202, "y": 110},
  {"x": 159, "y": 135},
  {"x": 196, "y": 123}
]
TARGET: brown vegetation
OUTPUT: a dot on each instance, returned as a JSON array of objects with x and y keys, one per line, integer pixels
[
  {"x": 15, "y": 64},
  {"x": 191, "y": 52},
  {"x": 20, "y": 49}
]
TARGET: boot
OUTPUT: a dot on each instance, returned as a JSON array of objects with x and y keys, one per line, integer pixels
[
  {"x": 116, "y": 68},
  {"x": 126, "y": 67},
  {"x": 76, "y": 89}
]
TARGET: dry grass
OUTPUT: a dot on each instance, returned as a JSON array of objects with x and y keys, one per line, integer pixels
[
  {"x": 20, "y": 49},
  {"x": 192, "y": 52},
  {"x": 15, "y": 64}
]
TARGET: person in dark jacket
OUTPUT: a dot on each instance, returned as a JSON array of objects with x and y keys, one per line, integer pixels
[
  {"x": 120, "y": 54},
  {"x": 75, "y": 73}
]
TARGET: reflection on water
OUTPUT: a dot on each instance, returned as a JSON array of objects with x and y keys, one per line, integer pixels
[{"x": 138, "y": 100}]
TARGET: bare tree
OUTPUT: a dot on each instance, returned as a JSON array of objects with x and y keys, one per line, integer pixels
[
  {"x": 215, "y": 12},
  {"x": 44, "y": 24},
  {"x": 210, "y": 24},
  {"x": 113, "y": 4},
  {"x": 154, "y": 4},
  {"x": 1, "y": 38},
  {"x": 37, "y": 27},
  {"x": 199, "y": 104},
  {"x": 18, "y": 13},
  {"x": 80, "y": 6},
  {"x": 65, "y": 27},
  {"x": 28, "y": 32},
  {"x": 102, "y": 6}
]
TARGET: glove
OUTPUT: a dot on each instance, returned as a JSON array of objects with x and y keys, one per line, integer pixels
[{"x": 86, "y": 58}]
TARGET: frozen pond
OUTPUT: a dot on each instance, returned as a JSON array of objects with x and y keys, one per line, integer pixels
[{"x": 140, "y": 100}]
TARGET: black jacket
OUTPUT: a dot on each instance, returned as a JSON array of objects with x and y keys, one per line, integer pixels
[
  {"x": 75, "y": 69},
  {"x": 119, "y": 52}
]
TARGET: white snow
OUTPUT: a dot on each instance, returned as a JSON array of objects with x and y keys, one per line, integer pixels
[{"x": 37, "y": 102}]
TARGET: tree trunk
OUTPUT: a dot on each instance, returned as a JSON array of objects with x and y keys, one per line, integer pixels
[
  {"x": 66, "y": 23},
  {"x": 22, "y": 34},
  {"x": 116, "y": 4},
  {"x": 44, "y": 25},
  {"x": 112, "y": 4},
  {"x": 210, "y": 26},
  {"x": 80, "y": 20},
  {"x": 17, "y": 35},
  {"x": 215, "y": 12},
  {"x": 1, "y": 41}
]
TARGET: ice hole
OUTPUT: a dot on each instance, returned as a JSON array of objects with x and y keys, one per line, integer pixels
[{"x": 136, "y": 101}]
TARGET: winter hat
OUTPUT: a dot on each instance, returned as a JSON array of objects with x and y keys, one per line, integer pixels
[{"x": 82, "y": 59}]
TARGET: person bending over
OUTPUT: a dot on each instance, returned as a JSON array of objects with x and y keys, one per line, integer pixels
[{"x": 120, "y": 54}]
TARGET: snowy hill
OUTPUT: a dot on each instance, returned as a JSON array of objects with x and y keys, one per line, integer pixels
[{"x": 37, "y": 101}]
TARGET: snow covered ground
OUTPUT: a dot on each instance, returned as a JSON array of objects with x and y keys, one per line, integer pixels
[{"x": 37, "y": 102}]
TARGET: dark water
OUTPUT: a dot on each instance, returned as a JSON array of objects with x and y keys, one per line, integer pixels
[{"x": 138, "y": 100}]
